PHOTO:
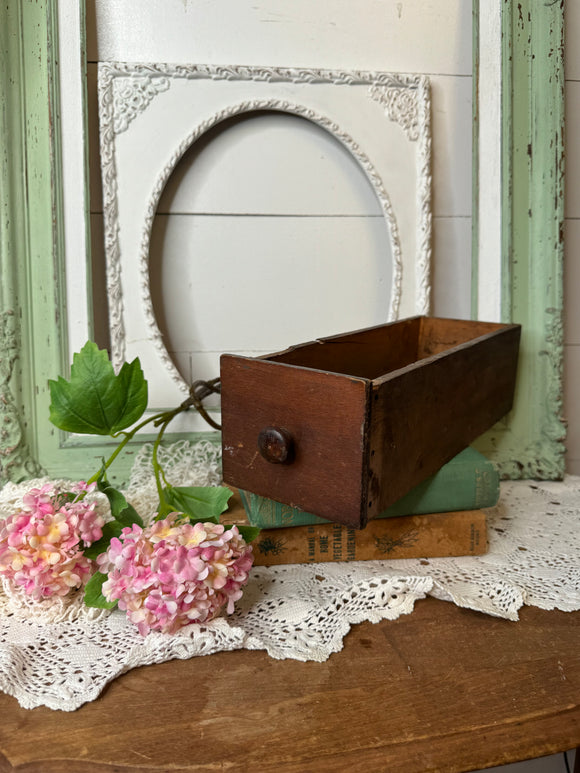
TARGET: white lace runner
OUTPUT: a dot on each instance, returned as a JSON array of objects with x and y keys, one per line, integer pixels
[{"x": 62, "y": 654}]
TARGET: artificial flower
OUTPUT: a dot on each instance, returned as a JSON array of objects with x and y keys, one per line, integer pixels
[
  {"x": 41, "y": 545},
  {"x": 174, "y": 573}
]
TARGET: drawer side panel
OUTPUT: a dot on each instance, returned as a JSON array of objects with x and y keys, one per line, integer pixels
[{"x": 427, "y": 413}]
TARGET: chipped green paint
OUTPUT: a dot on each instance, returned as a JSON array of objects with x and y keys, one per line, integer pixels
[
  {"x": 530, "y": 443},
  {"x": 16, "y": 406},
  {"x": 32, "y": 294},
  {"x": 32, "y": 297}
]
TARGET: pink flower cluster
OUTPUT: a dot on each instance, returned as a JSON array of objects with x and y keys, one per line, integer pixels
[
  {"x": 173, "y": 573},
  {"x": 41, "y": 545}
]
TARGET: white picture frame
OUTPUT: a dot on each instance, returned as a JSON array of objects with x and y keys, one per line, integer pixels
[{"x": 382, "y": 119}]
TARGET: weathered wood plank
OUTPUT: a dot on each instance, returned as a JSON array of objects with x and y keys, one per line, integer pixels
[{"x": 443, "y": 689}]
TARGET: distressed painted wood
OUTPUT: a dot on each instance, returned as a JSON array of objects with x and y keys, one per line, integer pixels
[
  {"x": 14, "y": 454},
  {"x": 33, "y": 333},
  {"x": 25, "y": 125},
  {"x": 530, "y": 442},
  {"x": 442, "y": 689},
  {"x": 572, "y": 240}
]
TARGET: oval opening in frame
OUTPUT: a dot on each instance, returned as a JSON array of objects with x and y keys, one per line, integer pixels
[{"x": 268, "y": 233}]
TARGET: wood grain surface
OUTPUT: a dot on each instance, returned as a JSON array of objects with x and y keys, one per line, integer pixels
[
  {"x": 326, "y": 415},
  {"x": 371, "y": 414},
  {"x": 425, "y": 414},
  {"x": 442, "y": 689}
]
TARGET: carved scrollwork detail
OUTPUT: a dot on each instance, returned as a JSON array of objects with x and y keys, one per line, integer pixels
[
  {"x": 15, "y": 461},
  {"x": 108, "y": 70},
  {"x": 8, "y": 346},
  {"x": 424, "y": 188},
  {"x": 401, "y": 105},
  {"x": 131, "y": 95}
]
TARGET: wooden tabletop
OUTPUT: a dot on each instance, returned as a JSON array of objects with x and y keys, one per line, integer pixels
[{"x": 442, "y": 689}]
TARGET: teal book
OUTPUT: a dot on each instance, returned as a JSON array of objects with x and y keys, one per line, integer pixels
[{"x": 468, "y": 482}]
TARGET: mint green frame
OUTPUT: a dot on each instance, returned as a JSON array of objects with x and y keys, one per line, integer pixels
[
  {"x": 530, "y": 442},
  {"x": 33, "y": 338}
]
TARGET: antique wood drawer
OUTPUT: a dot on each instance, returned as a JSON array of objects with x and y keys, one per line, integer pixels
[{"x": 344, "y": 426}]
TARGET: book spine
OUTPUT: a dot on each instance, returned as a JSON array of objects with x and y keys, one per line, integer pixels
[
  {"x": 467, "y": 485},
  {"x": 467, "y": 482},
  {"x": 434, "y": 535}
]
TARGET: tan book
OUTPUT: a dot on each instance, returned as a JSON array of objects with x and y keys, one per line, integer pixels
[{"x": 461, "y": 533}]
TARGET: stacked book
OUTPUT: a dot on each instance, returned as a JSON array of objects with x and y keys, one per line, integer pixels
[{"x": 443, "y": 516}]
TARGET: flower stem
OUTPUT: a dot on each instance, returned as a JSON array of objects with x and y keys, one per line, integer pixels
[
  {"x": 158, "y": 418},
  {"x": 157, "y": 469}
]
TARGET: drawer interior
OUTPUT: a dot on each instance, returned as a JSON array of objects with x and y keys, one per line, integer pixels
[{"x": 373, "y": 352}]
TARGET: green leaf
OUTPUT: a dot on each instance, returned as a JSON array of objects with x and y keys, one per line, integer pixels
[
  {"x": 95, "y": 401},
  {"x": 121, "y": 510},
  {"x": 249, "y": 533},
  {"x": 203, "y": 503},
  {"x": 195, "y": 519},
  {"x": 110, "y": 530},
  {"x": 94, "y": 592}
]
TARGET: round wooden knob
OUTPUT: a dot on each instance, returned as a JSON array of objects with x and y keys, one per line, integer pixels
[{"x": 276, "y": 445}]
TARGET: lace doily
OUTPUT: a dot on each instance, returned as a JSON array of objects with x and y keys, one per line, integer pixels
[{"x": 62, "y": 655}]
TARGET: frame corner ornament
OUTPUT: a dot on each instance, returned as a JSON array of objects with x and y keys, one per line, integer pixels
[
  {"x": 401, "y": 105},
  {"x": 132, "y": 95}
]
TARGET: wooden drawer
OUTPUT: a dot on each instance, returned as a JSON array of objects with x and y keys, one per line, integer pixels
[{"x": 344, "y": 426}]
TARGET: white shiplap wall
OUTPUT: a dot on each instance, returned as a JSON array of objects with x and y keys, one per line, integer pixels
[
  {"x": 226, "y": 211},
  {"x": 572, "y": 240}
]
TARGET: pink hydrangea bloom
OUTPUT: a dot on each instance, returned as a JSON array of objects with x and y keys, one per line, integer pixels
[
  {"x": 173, "y": 573},
  {"x": 41, "y": 545}
]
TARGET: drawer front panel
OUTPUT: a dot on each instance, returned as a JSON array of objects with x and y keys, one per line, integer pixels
[{"x": 296, "y": 435}]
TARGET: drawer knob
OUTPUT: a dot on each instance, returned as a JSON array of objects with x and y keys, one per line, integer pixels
[{"x": 276, "y": 445}]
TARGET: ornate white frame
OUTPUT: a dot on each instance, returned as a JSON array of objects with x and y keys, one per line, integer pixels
[{"x": 126, "y": 90}]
